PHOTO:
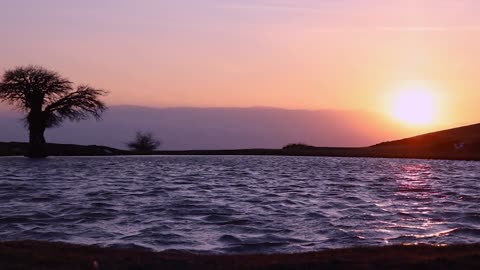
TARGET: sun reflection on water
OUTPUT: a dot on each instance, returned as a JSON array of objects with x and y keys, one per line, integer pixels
[{"x": 416, "y": 191}]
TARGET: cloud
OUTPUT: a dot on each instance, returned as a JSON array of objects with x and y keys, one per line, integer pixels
[
  {"x": 368, "y": 15},
  {"x": 431, "y": 29},
  {"x": 282, "y": 6}
]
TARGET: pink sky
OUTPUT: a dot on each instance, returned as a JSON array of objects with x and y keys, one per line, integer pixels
[{"x": 329, "y": 54}]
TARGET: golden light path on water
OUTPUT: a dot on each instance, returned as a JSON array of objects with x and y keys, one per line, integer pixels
[{"x": 414, "y": 186}]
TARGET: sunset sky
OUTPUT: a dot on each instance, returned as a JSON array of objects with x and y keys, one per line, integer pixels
[{"x": 295, "y": 54}]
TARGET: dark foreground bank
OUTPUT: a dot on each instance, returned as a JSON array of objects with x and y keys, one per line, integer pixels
[{"x": 47, "y": 255}]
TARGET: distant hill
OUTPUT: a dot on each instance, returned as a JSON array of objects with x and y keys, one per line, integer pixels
[{"x": 218, "y": 128}]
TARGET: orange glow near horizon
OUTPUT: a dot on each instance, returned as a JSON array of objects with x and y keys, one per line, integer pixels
[{"x": 346, "y": 55}]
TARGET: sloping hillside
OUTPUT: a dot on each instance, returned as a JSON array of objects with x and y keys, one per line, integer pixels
[{"x": 456, "y": 143}]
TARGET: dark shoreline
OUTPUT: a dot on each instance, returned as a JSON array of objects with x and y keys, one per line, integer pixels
[
  {"x": 53, "y": 255},
  {"x": 378, "y": 151},
  {"x": 461, "y": 143}
]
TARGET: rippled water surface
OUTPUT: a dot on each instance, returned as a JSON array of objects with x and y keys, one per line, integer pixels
[{"x": 239, "y": 204}]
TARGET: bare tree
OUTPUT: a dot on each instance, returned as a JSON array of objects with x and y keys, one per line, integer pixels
[
  {"x": 144, "y": 142},
  {"x": 48, "y": 99}
]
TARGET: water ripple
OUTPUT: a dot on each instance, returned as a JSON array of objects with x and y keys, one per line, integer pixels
[{"x": 234, "y": 204}]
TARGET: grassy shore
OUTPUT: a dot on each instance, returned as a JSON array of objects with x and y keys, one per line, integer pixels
[{"x": 48, "y": 255}]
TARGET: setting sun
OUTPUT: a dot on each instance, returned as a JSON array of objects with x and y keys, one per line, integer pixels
[{"x": 414, "y": 104}]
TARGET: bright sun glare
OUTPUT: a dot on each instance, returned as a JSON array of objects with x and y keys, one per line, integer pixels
[{"x": 414, "y": 104}]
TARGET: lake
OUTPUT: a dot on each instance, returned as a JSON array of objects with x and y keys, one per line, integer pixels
[{"x": 239, "y": 204}]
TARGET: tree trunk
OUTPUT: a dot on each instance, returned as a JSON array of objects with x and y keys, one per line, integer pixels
[
  {"x": 37, "y": 126},
  {"x": 37, "y": 148}
]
